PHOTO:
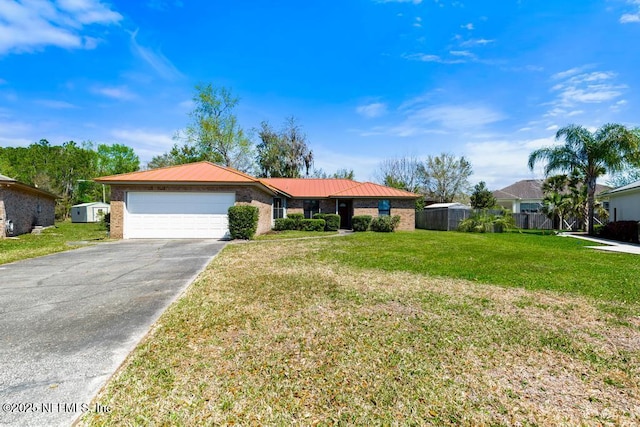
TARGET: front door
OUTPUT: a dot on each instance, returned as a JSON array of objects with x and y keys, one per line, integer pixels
[{"x": 345, "y": 210}]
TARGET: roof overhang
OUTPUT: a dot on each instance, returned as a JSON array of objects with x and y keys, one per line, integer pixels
[
  {"x": 28, "y": 189},
  {"x": 266, "y": 188}
]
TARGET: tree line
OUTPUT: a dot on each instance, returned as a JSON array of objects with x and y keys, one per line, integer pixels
[{"x": 67, "y": 170}]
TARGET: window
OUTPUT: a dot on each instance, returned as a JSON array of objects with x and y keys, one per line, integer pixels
[
  {"x": 530, "y": 207},
  {"x": 384, "y": 207},
  {"x": 311, "y": 207},
  {"x": 278, "y": 208}
]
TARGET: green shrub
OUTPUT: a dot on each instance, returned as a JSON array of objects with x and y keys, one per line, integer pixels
[
  {"x": 296, "y": 218},
  {"x": 332, "y": 222},
  {"x": 105, "y": 221},
  {"x": 361, "y": 222},
  {"x": 282, "y": 224},
  {"x": 385, "y": 224},
  {"x": 312, "y": 224},
  {"x": 623, "y": 231},
  {"x": 485, "y": 222},
  {"x": 243, "y": 221}
]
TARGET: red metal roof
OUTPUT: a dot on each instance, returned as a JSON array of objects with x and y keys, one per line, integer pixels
[
  {"x": 321, "y": 188},
  {"x": 206, "y": 172},
  {"x": 190, "y": 172}
]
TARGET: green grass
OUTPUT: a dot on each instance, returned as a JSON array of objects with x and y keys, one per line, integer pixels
[
  {"x": 51, "y": 240},
  {"x": 356, "y": 331},
  {"x": 293, "y": 234},
  {"x": 530, "y": 261}
]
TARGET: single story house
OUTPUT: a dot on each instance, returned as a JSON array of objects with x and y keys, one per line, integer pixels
[
  {"x": 22, "y": 207},
  {"x": 89, "y": 212},
  {"x": 192, "y": 200},
  {"x": 624, "y": 202},
  {"x": 526, "y": 196}
]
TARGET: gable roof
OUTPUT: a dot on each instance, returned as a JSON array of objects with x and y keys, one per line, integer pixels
[
  {"x": 190, "y": 172},
  {"x": 525, "y": 189},
  {"x": 334, "y": 187},
  {"x": 207, "y": 173},
  {"x": 628, "y": 187},
  {"x": 530, "y": 189}
]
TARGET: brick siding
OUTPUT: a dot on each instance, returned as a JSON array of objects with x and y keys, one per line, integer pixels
[
  {"x": 25, "y": 210},
  {"x": 404, "y": 208}
]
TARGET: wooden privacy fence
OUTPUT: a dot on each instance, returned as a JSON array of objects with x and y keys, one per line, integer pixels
[
  {"x": 446, "y": 219},
  {"x": 443, "y": 219}
]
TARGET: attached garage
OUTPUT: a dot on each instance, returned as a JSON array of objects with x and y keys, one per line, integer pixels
[{"x": 177, "y": 215}]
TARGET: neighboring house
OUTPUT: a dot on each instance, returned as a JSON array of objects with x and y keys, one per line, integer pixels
[
  {"x": 526, "y": 196},
  {"x": 89, "y": 212},
  {"x": 192, "y": 200},
  {"x": 22, "y": 207},
  {"x": 624, "y": 202}
]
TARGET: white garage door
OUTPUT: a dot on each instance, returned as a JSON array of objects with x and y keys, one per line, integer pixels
[{"x": 173, "y": 215}]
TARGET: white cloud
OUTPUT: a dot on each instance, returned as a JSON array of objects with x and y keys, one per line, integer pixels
[
  {"x": 160, "y": 63},
  {"x": 146, "y": 143},
  {"x": 631, "y": 18},
  {"x": 54, "y": 104},
  {"x": 425, "y": 57},
  {"x": 468, "y": 26},
  {"x": 628, "y": 18},
  {"x": 510, "y": 166},
  {"x": 121, "y": 92},
  {"x": 457, "y": 116},
  {"x": 577, "y": 87},
  {"x": 399, "y": 1},
  {"x": 476, "y": 42},
  {"x": 372, "y": 110},
  {"x": 29, "y": 25}
]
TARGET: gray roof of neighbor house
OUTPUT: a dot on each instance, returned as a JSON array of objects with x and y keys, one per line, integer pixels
[
  {"x": 632, "y": 186},
  {"x": 530, "y": 189},
  {"x": 10, "y": 182},
  {"x": 525, "y": 189}
]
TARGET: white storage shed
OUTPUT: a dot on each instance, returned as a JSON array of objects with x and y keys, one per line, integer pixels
[{"x": 89, "y": 212}]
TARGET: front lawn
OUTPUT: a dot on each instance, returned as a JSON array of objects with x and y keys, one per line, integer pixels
[
  {"x": 530, "y": 261},
  {"x": 64, "y": 236},
  {"x": 357, "y": 330}
]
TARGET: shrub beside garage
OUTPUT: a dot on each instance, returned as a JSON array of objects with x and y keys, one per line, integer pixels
[{"x": 243, "y": 221}]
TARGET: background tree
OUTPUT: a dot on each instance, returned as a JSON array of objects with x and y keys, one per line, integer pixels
[
  {"x": 482, "y": 198},
  {"x": 400, "y": 172},
  {"x": 589, "y": 155},
  {"x": 116, "y": 159},
  {"x": 283, "y": 154},
  {"x": 67, "y": 170},
  {"x": 339, "y": 174},
  {"x": 445, "y": 178},
  {"x": 213, "y": 133}
]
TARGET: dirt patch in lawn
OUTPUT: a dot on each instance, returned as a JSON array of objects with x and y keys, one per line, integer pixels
[{"x": 269, "y": 334}]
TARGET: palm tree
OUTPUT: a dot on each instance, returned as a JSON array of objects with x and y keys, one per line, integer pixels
[
  {"x": 556, "y": 203},
  {"x": 590, "y": 155}
]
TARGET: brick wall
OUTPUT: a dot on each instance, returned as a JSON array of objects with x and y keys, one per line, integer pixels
[
  {"x": 297, "y": 206},
  {"x": 25, "y": 210},
  {"x": 245, "y": 195},
  {"x": 404, "y": 208}
]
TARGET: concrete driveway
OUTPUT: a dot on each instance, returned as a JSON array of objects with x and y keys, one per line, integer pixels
[{"x": 68, "y": 320}]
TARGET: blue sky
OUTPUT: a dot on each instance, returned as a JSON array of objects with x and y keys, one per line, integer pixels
[{"x": 367, "y": 79}]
